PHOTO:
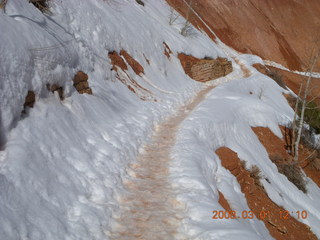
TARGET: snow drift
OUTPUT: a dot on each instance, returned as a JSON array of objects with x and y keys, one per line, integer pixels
[{"x": 62, "y": 163}]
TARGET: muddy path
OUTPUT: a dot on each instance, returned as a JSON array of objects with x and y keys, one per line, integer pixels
[{"x": 149, "y": 210}]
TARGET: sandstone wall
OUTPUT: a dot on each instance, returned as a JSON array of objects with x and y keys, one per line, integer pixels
[
  {"x": 284, "y": 31},
  {"x": 204, "y": 70}
]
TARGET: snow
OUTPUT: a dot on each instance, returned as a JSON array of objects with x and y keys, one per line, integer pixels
[
  {"x": 278, "y": 65},
  {"x": 251, "y": 59},
  {"x": 62, "y": 164},
  {"x": 225, "y": 119}
]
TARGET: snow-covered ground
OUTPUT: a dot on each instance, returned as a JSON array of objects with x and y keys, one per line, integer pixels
[
  {"x": 225, "y": 119},
  {"x": 62, "y": 165},
  {"x": 278, "y": 65}
]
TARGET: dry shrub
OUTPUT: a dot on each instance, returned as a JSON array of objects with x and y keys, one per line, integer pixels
[
  {"x": 255, "y": 173},
  {"x": 187, "y": 29},
  {"x": 277, "y": 77},
  {"x": 277, "y": 159},
  {"x": 42, "y": 5},
  {"x": 292, "y": 171},
  {"x": 294, "y": 175},
  {"x": 243, "y": 164},
  {"x": 292, "y": 101}
]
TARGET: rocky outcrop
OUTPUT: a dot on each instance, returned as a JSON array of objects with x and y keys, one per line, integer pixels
[
  {"x": 136, "y": 66},
  {"x": 117, "y": 61},
  {"x": 309, "y": 158},
  {"x": 56, "y": 88},
  {"x": 204, "y": 70},
  {"x": 30, "y": 99},
  {"x": 119, "y": 65},
  {"x": 80, "y": 82},
  {"x": 282, "y": 31}
]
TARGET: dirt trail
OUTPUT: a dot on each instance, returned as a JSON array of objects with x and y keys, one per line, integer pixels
[
  {"x": 245, "y": 71},
  {"x": 150, "y": 210}
]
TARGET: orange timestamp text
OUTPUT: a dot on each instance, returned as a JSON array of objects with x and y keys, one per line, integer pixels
[{"x": 261, "y": 215}]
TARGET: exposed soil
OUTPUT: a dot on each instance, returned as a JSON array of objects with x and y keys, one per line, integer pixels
[
  {"x": 149, "y": 209},
  {"x": 312, "y": 167},
  {"x": 117, "y": 61},
  {"x": 261, "y": 68},
  {"x": 293, "y": 81},
  {"x": 136, "y": 66},
  {"x": 224, "y": 202},
  {"x": 282, "y": 31},
  {"x": 56, "y": 88},
  {"x": 309, "y": 158},
  {"x": 273, "y": 144},
  {"x": 258, "y": 200},
  {"x": 244, "y": 69},
  {"x": 277, "y": 148},
  {"x": 119, "y": 64}
]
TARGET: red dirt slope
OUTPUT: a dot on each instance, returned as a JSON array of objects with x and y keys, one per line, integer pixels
[
  {"x": 284, "y": 31},
  {"x": 258, "y": 201}
]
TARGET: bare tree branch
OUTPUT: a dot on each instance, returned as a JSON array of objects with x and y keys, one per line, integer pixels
[{"x": 306, "y": 92}]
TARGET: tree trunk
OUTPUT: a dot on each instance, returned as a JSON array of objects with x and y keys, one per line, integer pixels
[
  {"x": 303, "y": 108},
  {"x": 294, "y": 123}
]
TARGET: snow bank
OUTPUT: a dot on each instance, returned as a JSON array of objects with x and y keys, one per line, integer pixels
[
  {"x": 278, "y": 65},
  {"x": 62, "y": 165}
]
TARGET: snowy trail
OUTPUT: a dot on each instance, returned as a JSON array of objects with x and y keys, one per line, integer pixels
[{"x": 150, "y": 210}]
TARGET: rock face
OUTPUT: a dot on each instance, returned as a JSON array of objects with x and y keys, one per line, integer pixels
[
  {"x": 56, "y": 88},
  {"x": 136, "y": 66},
  {"x": 204, "y": 70},
  {"x": 80, "y": 82},
  {"x": 283, "y": 31},
  {"x": 120, "y": 64},
  {"x": 30, "y": 99},
  {"x": 117, "y": 61}
]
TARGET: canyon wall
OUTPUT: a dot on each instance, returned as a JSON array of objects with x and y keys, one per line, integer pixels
[{"x": 284, "y": 31}]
